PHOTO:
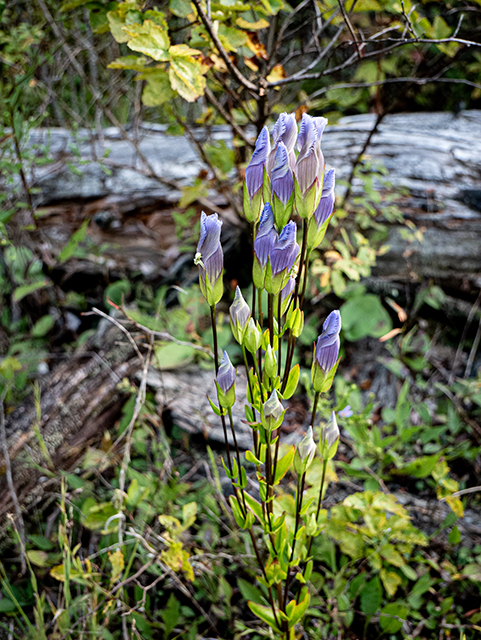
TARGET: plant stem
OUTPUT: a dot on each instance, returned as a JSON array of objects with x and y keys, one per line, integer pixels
[
  {"x": 254, "y": 431},
  {"x": 301, "y": 260},
  {"x": 319, "y": 506},
  {"x": 216, "y": 361},
  {"x": 306, "y": 275},
  {"x": 314, "y": 408},
  {"x": 270, "y": 307},
  {"x": 279, "y": 318}
]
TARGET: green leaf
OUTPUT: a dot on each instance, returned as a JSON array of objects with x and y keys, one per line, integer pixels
[
  {"x": 249, "y": 592},
  {"x": 148, "y": 38},
  {"x": 117, "y": 20},
  {"x": 180, "y": 8},
  {"x": 116, "y": 291},
  {"x": 255, "y": 506},
  {"x": 26, "y": 289},
  {"x": 71, "y": 246},
  {"x": 173, "y": 356},
  {"x": 371, "y": 597},
  {"x": 170, "y": 615},
  {"x": 43, "y": 326},
  {"x": 299, "y": 610},
  {"x": 186, "y": 73},
  {"x": 454, "y": 536},
  {"x": 264, "y": 613},
  {"x": 391, "y": 581},
  {"x": 419, "y": 468},
  {"x": 390, "y": 624},
  {"x": 403, "y": 408},
  {"x": 7, "y": 605},
  {"x": 292, "y": 382},
  {"x": 364, "y": 316},
  {"x": 41, "y": 542},
  {"x": 283, "y": 464},
  {"x": 136, "y": 63},
  {"x": 158, "y": 90},
  {"x": 38, "y": 558}
]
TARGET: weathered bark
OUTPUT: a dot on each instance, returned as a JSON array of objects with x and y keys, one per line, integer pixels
[
  {"x": 436, "y": 156},
  {"x": 79, "y": 401}
]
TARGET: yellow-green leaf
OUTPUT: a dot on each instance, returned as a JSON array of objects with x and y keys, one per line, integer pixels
[
  {"x": 157, "y": 91},
  {"x": 283, "y": 464},
  {"x": 186, "y": 74},
  {"x": 252, "y": 26},
  {"x": 148, "y": 38},
  {"x": 390, "y": 580},
  {"x": 38, "y": 558},
  {"x": 117, "y": 561},
  {"x": 137, "y": 63}
]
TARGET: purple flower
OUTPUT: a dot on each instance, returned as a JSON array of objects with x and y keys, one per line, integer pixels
[
  {"x": 209, "y": 254},
  {"x": 328, "y": 343},
  {"x": 330, "y": 433},
  {"x": 254, "y": 175},
  {"x": 285, "y": 250},
  {"x": 347, "y": 412},
  {"x": 239, "y": 315},
  {"x": 326, "y": 203},
  {"x": 266, "y": 236},
  {"x": 307, "y": 165},
  {"x": 288, "y": 289},
  {"x": 282, "y": 182},
  {"x": 320, "y": 124},
  {"x": 226, "y": 374},
  {"x": 285, "y": 131}
]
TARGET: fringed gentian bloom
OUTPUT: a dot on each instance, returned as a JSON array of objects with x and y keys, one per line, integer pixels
[
  {"x": 226, "y": 382},
  {"x": 310, "y": 164},
  {"x": 285, "y": 131},
  {"x": 254, "y": 177},
  {"x": 266, "y": 238},
  {"x": 282, "y": 184},
  {"x": 319, "y": 221},
  {"x": 210, "y": 258},
  {"x": 286, "y": 293},
  {"x": 239, "y": 316},
  {"x": 326, "y": 353},
  {"x": 285, "y": 250}
]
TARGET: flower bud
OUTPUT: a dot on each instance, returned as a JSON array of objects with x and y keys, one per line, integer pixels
[
  {"x": 322, "y": 215},
  {"x": 209, "y": 258},
  {"x": 306, "y": 450},
  {"x": 239, "y": 316},
  {"x": 272, "y": 412},
  {"x": 253, "y": 337},
  {"x": 329, "y": 438},
  {"x": 326, "y": 354},
  {"x": 226, "y": 382},
  {"x": 254, "y": 177},
  {"x": 285, "y": 131},
  {"x": 270, "y": 363},
  {"x": 282, "y": 185},
  {"x": 265, "y": 240},
  {"x": 282, "y": 258},
  {"x": 309, "y": 166}
]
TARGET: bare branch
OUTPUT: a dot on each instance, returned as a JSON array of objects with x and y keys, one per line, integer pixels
[
  {"x": 227, "y": 117},
  {"x": 223, "y": 53}
]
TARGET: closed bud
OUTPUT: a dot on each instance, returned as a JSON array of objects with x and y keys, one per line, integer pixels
[
  {"x": 226, "y": 382},
  {"x": 282, "y": 258},
  {"x": 270, "y": 362},
  {"x": 306, "y": 450},
  {"x": 253, "y": 337},
  {"x": 254, "y": 177},
  {"x": 286, "y": 293},
  {"x": 210, "y": 258},
  {"x": 329, "y": 438},
  {"x": 272, "y": 412},
  {"x": 239, "y": 316},
  {"x": 282, "y": 185},
  {"x": 322, "y": 215},
  {"x": 326, "y": 353},
  {"x": 264, "y": 242}
]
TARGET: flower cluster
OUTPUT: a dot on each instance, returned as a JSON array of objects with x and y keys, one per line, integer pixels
[{"x": 286, "y": 177}]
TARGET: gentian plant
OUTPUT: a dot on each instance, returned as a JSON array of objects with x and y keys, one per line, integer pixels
[{"x": 279, "y": 184}]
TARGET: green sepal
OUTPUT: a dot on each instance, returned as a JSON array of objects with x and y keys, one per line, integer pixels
[
  {"x": 219, "y": 411},
  {"x": 320, "y": 381},
  {"x": 328, "y": 453},
  {"x": 292, "y": 382},
  {"x": 252, "y": 206},
  {"x": 305, "y": 204},
  {"x": 266, "y": 185},
  {"x": 315, "y": 234},
  {"x": 283, "y": 464},
  {"x": 308, "y": 570},
  {"x": 262, "y": 490},
  {"x": 258, "y": 274},
  {"x": 243, "y": 478},
  {"x": 226, "y": 400},
  {"x": 282, "y": 212},
  {"x": 253, "y": 338},
  {"x": 270, "y": 362},
  {"x": 212, "y": 293},
  {"x": 274, "y": 284},
  {"x": 295, "y": 322},
  {"x": 311, "y": 527},
  {"x": 266, "y": 340}
]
